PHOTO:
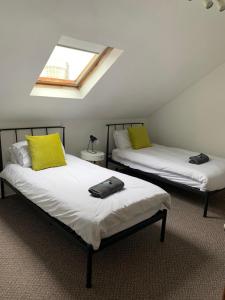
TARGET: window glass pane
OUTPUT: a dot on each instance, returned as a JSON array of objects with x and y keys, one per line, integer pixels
[{"x": 66, "y": 63}]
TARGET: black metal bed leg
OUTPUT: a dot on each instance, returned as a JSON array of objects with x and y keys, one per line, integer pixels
[
  {"x": 206, "y": 198},
  {"x": 2, "y": 189},
  {"x": 163, "y": 226},
  {"x": 89, "y": 267}
]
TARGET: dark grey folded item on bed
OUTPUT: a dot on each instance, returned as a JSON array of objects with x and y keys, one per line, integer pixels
[
  {"x": 107, "y": 187},
  {"x": 199, "y": 159}
]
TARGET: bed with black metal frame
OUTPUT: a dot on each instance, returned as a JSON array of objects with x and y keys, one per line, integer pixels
[
  {"x": 160, "y": 215},
  {"x": 149, "y": 176}
]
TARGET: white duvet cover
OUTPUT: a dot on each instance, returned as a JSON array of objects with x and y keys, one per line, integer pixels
[
  {"x": 63, "y": 193},
  {"x": 172, "y": 164}
]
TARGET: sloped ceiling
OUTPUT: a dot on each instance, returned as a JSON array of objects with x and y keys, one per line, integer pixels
[{"x": 167, "y": 46}]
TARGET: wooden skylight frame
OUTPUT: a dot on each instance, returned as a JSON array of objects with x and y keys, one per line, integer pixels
[{"x": 83, "y": 76}]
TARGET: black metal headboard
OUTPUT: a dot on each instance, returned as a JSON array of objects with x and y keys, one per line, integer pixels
[
  {"x": 31, "y": 129},
  {"x": 116, "y": 126}
]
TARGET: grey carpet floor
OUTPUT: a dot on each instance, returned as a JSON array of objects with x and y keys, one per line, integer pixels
[{"x": 38, "y": 262}]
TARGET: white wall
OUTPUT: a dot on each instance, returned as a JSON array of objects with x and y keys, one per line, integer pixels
[
  {"x": 196, "y": 118},
  {"x": 168, "y": 45}
]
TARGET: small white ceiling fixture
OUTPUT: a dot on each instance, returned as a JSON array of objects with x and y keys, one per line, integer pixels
[{"x": 209, "y": 3}]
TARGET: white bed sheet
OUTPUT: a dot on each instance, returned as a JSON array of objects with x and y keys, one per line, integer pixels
[
  {"x": 63, "y": 193},
  {"x": 172, "y": 164}
]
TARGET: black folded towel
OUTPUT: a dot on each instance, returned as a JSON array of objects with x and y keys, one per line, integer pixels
[
  {"x": 107, "y": 187},
  {"x": 199, "y": 159}
]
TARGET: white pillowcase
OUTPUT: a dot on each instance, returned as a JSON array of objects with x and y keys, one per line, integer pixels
[
  {"x": 21, "y": 153},
  {"x": 12, "y": 156},
  {"x": 121, "y": 138}
]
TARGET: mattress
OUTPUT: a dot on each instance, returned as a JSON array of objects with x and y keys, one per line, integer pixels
[
  {"x": 172, "y": 164},
  {"x": 62, "y": 192}
]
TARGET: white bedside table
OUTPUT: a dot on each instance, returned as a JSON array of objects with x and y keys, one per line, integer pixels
[{"x": 92, "y": 157}]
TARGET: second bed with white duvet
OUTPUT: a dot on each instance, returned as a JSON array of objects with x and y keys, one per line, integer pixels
[{"x": 173, "y": 164}]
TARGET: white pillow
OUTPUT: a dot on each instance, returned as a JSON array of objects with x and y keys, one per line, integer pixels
[
  {"x": 12, "y": 156},
  {"x": 21, "y": 153},
  {"x": 121, "y": 138}
]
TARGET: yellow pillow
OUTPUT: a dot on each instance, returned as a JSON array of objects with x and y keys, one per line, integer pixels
[
  {"x": 139, "y": 137},
  {"x": 46, "y": 151}
]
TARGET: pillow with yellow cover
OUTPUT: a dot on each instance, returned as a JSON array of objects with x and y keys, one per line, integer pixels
[
  {"x": 46, "y": 151},
  {"x": 139, "y": 137}
]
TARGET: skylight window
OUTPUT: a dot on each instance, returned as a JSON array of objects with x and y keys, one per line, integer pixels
[
  {"x": 74, "y": 68},
  {"x": 67, "y": 63},
  {"x": 68, "y": 66}
]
